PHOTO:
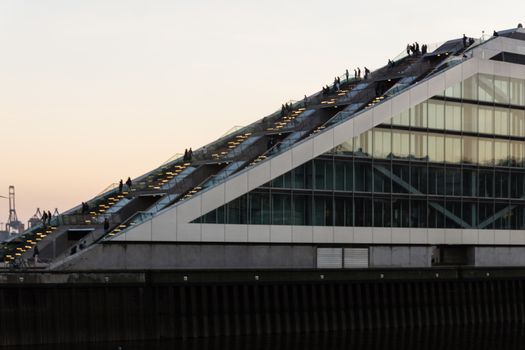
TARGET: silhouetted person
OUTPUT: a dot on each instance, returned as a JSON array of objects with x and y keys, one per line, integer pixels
[
  {"x": 36, "y": 252},
  {"x": 355, "y": 73},
  {"x": 408, "y": 49},
  {"x": 129, "y": 183},
  {"x": 120, "y": 186},
  {"x": 347, "y": 75},
  {"x": 185, "y": 157},
  {"x": 464, "y": 40},
  {"x": 44, "y": 218},
  {"x": 495, "y": 34},
  {"x": 305, "y": 101},
  {"x": 367, "y": 72},
  {"x": 358, "y": 72},
  {"x": 49, "y": 216},
  {"x": 520, "y": 25},
  {"x": 190, "y": 154},
  {"x": 83, "y": 210},
  {"x": 106, "y": 225}
]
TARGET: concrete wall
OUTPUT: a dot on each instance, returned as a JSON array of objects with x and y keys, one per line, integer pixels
[
  {"x": 400, "y": 256},
  {"x": 499, "y": 256},
  {"x": 192, "y": 256}
]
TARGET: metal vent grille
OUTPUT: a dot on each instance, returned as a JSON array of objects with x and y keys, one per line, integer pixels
[
  {"x": 329, "y": 258},
  {"x": 355, "y": 258}
]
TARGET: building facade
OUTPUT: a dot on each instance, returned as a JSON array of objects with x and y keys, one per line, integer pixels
[{"x": 427, "y": 171}]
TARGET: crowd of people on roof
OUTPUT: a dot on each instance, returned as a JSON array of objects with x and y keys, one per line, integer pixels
[
  {"x": 416, "y": 50},
  {"x": 467, "y": 41},
  {"x": 46, "y": 218},
  {"x": 188, "y": 155}
]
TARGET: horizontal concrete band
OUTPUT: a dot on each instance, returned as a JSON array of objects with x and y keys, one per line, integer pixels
[{"x": 31, "y": 278}]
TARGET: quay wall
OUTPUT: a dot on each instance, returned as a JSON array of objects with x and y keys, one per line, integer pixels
[{"x": 75, "y": 307}]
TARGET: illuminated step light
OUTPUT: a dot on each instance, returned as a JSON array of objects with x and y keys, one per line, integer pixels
[{"x": 18, "y": 254}]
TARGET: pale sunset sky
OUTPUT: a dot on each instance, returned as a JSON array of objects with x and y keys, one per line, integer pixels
[{"x": 98, "y": 90}]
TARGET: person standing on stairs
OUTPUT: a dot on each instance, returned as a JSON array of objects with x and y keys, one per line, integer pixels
[
  {"x": 129, "y": 183},
  {"x": 120, "y": 186},
  {"x": 106, "y": 225}
]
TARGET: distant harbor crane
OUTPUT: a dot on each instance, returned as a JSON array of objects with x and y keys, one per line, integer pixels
[{"x": 13, "y": 225}]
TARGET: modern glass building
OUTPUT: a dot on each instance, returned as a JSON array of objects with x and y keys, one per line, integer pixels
[{"x": 420, "y": 163}]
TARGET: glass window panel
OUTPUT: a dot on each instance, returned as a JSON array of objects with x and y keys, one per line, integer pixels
[
  {"x": 418, "y": 213},
  {"x": 453, "y": 212},
  {"x": 501, "y": 121},
  {"x": 382, "y": 143},
  {"x": 436, "y": 218},
  {"x": 346, "y": 148},
  {"x": 469, "y": 213},
  {"x": 281, "y": 209},
  {"x": 259, "y": 208},
  {"x": 485, "y": 213},
  {"x": 470, "y": 182},
  {"x": 302, "y": 209},
  {"x": 340, "y": 176},
  {"x": 486, "y": 120},
  {"x": 323, "y": 212},
  {"x": 418, "y": 116},
  {"x": 400, "y": 212},
  {"x": 501, "y": 153},
  {"x": 436, "y": 115},
  {"x": 401, "y": 182},
  {"x": 402, "y": 119},
  {"x": 436, "y": 181},
  {"x": 454, "y": 91},
  {"x": 453, "y": 149},
  {"x": 517, "y": 153},
  {"x": 517, "y": 184},
  {"x": 486, "y": 183},
  {"x": 418, "y": 146},
  {"x": 363, "y": 177},
  {"x": 517, "y": 92},
  {"x": 470, "y": 118},
  {"x": 381, "y": 181},
  {"x": 517, "y": 218},
  {"x": 363, "y": 144},
  {"x": 501, "y": 90},
  {"x": 363, "y": 211},
  {"x": 502, "y": 222},
  {"x": 344, "y": 211},
  {"x": 470, "y": 150},
  {"x": 470, "y": 88},
  {"x": 517, "y": 122},
  {"x": 453, "y": 116},
  {"x": 453, "y": 181},
  {"x": 400, "y": 144},
  {"x": 299, "y": 173},
  {"x": 382, "y": 214},
  {"x": 237, "y": 211},
  {"x": 501, "y": 184},
  {"x": 485, "y": 151},
  {"x": 485, "y": 88},
  {"x": 419, "y": 178},
  {"x": 436, "y": 148}
]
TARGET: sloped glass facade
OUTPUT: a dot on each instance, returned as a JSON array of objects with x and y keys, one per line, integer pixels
[{"x": 454, "y": 161}]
